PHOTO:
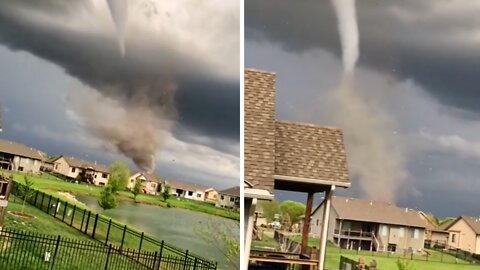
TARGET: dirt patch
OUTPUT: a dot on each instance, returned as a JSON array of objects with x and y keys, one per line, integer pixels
[
  {"x": 70, "y": 197},
  {"x": 20, "y": 215}
]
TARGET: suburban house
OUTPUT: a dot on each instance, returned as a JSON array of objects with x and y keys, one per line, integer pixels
[
  {"x": 19, "y": 157},
  {"x": 83, "y": 170},
  {"x": 464, "y": 234},
  {"x": 186, "y": 190},
  {"x": 288, "y": 156},
  {"x": 435, "y": 236},
  {"x": 47, "y": 163},
  {"x": 211, "y": 195},
  {"x": 229, "y": 198},
  {"x": 150, "y": 183},
  {"x": 371, "y": 225}
]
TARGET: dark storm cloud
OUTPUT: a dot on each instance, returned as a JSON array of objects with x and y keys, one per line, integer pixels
[
  {"x": 429, "y": 41},
  {"x": 205, "y": 102}
]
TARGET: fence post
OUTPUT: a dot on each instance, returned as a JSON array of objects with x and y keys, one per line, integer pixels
[
  {"x": 154, "y": 260},
  {"x": 95, "y": 226},
  {"x": 123, "y": 236},
  {"x": 195, "y": 264},
  {"x": 141, "y": 241},
  {"x": 64, "y": 211},
  {"x": 160, "y": 255},
  {"x": 108, "y": 256},
  {"x": 185, "y": 262},
  {"x": 36, "y": 196},
  {"x": 48, "y": 207},
  {"x": 56, "y": 250},
  {"x": 41, "y": 202},
  {"x": 216, "y": 265},
  {"x": 73, "y": 214},
  {"x": 441, "y": 256},
  {"x": 88, "y": 221},
  {"x": 108, "y": 231}
]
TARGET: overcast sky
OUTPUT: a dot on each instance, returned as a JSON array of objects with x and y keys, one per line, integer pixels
[
  {"x": 66, "y": 88},
  {"x": 418, "y": 59}
]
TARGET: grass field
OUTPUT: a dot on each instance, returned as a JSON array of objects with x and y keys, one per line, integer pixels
[
  {"x": 51, "y": 184},
  {"x": 436, "y": 260},
  {"x": 40, "y": 223}
]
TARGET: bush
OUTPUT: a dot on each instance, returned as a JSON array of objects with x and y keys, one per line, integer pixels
[{"x": 107, "y": 199}]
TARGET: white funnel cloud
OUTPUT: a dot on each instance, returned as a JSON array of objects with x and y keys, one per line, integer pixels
[
  {"x": 374, "y": 157},
  {"x": 348, "y": 28},
  {"x": 119, "y": 11}
]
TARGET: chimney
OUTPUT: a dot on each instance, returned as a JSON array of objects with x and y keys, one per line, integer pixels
[{"x": 371, "y": 203}]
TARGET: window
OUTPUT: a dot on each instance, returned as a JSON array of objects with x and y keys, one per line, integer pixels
[
  {"x": 454, "y": 238},
  {"x": 190, "y": 193},
  {"x": 199, "y": 195},
  {"x": 221, "y": 197},
  {"x": 232, "y": 199},
  {"x": 104, "y": 175},
  {"x": 20, "y": 169},
  {"x": 56, "y": 166},
  {"x": 415, "y": 233},
  {"x": 318, "y": 221},
  {"x": 73, "y": 169},
  {"x": 95, "y": 175}
]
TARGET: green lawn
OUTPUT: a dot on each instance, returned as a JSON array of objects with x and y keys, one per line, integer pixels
[
  {"x": 51, "y": 184},
  {"x": 41, "y": 223},
  {"x": 384, "y": 260}
]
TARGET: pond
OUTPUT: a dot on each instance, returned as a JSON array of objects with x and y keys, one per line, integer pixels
[{"x": 176, "y": 226}]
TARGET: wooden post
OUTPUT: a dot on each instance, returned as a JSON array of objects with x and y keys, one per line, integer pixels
[
  {"x": 323, "y": 236},
  {"x": 306, "y": 223}
]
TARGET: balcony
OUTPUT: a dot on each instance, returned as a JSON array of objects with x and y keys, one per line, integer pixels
[{"x": 353, "y": 234}]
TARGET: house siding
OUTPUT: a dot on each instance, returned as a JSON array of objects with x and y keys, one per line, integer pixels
[
  {"x": 28, "y": 165},
  {"x": 65, "y": 169},
  {"x": 465, "y": 238},
  {"x": 224, "y": 201}
]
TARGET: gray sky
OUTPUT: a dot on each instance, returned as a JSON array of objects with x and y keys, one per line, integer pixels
[
  {"x": 61, "y": 70},
  {"x": 418, "y": 63}
]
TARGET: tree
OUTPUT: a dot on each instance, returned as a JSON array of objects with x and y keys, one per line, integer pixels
[
  {"x": 107, "y": 198},
  {"x": 294, "y": 210},
  {"x": 166, "y": 193},
  {"x": 137, "y": 188},
  {"x": 119, "y": 174},
  {"x": 270, "y": 209},
  {"x": 26, "y": 191}
]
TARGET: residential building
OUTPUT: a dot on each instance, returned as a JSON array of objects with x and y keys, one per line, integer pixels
[
  {"x": 211, "y": 195},
  {"x": 186, "y": 190},
  {"x": 371, "y": 225},
  {"x": 150, "y": 183},
  {"x": 81, "y": 170},
  {"x": 464, "y": 234},
  {"x": 435, "y": 235},
  {"x": 19, "y": 157},
  {"x": 286, "y": 156},
  {"x": 229, "y": 198}
]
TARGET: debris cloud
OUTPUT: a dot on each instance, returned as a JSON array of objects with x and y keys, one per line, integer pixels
[{"x": 373, "y": 154}]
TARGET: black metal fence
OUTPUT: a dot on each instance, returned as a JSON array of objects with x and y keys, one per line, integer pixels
[{"x": 111, "y": 232}]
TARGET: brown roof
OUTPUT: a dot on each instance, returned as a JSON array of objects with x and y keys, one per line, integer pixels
[
  {"x": 148, "y": 176},
  {"x": 259, "y": 128},
  {"x": 375, "y": 211},
  {"x": 84, "y": 164},
  {"x": 19, "y": 150},
  {"x": 473, "y": 222},
  {"x": 310, "y": 151},
  {"x": 185, "y": 185},
  {"x": 233, "y": 191}
]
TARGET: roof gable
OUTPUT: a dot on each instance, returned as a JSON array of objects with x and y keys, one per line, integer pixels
[{"x": 19, "y": 150}]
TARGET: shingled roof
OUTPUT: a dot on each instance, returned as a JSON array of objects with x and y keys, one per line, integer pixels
[
  {"x": 19, "y": 150},
  {"x": 84, "y": 164},
  {"x": 375, "y": 211},
  {"x": 259, "y": 129},
  {"x": 185, "y": 185},
  {"x": 473, "y": 222},
  {"x": 233, "y": 191},
  {"x": 310, "y": 151}
]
